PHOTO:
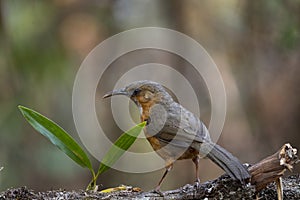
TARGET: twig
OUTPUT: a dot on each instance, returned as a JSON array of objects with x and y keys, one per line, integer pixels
[
  {"x": 273, "y": 167},
  {"x": 279, "y": 188}
]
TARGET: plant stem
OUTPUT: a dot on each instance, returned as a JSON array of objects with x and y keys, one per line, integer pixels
[{"x": 93, "y": 183}]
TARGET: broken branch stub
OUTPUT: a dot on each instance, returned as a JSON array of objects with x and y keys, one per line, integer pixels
[{"x": 273, "y": 167}]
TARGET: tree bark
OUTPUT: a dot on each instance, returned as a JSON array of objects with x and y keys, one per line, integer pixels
[{"x": 265, "y": 183}]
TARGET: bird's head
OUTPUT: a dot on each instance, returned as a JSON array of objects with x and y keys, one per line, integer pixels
[{"x": 144, "y": 93}]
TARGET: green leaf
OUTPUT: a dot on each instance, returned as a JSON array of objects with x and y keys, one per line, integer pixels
[
  {"x": 120, "y": 146},
  {"x": 57, "y": 136}
]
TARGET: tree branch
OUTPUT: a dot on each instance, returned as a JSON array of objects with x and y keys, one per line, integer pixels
[{"x": 263, "y": 176}]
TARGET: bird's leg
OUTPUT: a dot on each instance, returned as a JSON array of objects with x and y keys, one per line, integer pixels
[
  {"x": 196, "y": 162},
  {"x": 168, "y": 168}
]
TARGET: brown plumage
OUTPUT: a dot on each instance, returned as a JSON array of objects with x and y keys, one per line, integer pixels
[{"x": 175, "y": 133}]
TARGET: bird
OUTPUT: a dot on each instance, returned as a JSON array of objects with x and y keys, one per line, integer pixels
[{"x": 176, "y": 133}]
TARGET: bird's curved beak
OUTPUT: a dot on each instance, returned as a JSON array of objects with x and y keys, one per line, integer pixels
[{"x": 115, "y": 92}]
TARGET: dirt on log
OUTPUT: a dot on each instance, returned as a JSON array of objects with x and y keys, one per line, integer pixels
[
  {"x": 221, "y": 188},
  {"x": 266, "y": 183}
]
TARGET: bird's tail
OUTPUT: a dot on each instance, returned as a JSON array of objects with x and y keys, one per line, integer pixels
[{"x": 230, "y": 164}]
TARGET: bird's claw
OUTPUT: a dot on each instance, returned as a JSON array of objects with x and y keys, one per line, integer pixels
[
  {"x": 157, "y": 191},
  {"x": 197, "y": 184}
]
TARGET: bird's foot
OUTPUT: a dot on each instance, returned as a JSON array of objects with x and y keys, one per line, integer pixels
[
  {"x": 197, "y": 184},
  {"x": 157, "y": 191}
]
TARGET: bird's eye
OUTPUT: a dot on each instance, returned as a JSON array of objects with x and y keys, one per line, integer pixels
[{"x": 136, "y": 92}]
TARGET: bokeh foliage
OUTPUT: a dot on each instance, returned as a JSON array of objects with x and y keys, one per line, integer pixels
[{"x": 255, "y": 44}]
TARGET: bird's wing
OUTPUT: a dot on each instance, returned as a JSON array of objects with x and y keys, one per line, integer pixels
[{"x": 182, "y": 128}]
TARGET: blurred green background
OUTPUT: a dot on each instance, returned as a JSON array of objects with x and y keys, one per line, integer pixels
[{"x": 255, "y": 44}]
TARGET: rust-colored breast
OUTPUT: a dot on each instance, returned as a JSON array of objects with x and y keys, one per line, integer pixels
[
  {"x": 154, "y": 143},
  {"x": 145, "y": 115},
  {"x": 146, "y": 110},
  {"x": 165, "y": 151}
]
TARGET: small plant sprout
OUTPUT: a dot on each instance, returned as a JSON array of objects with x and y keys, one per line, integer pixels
[{"x": 60, "y": 138}]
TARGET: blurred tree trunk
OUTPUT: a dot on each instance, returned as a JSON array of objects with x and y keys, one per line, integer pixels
[{"x": 268, "y": 70}]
